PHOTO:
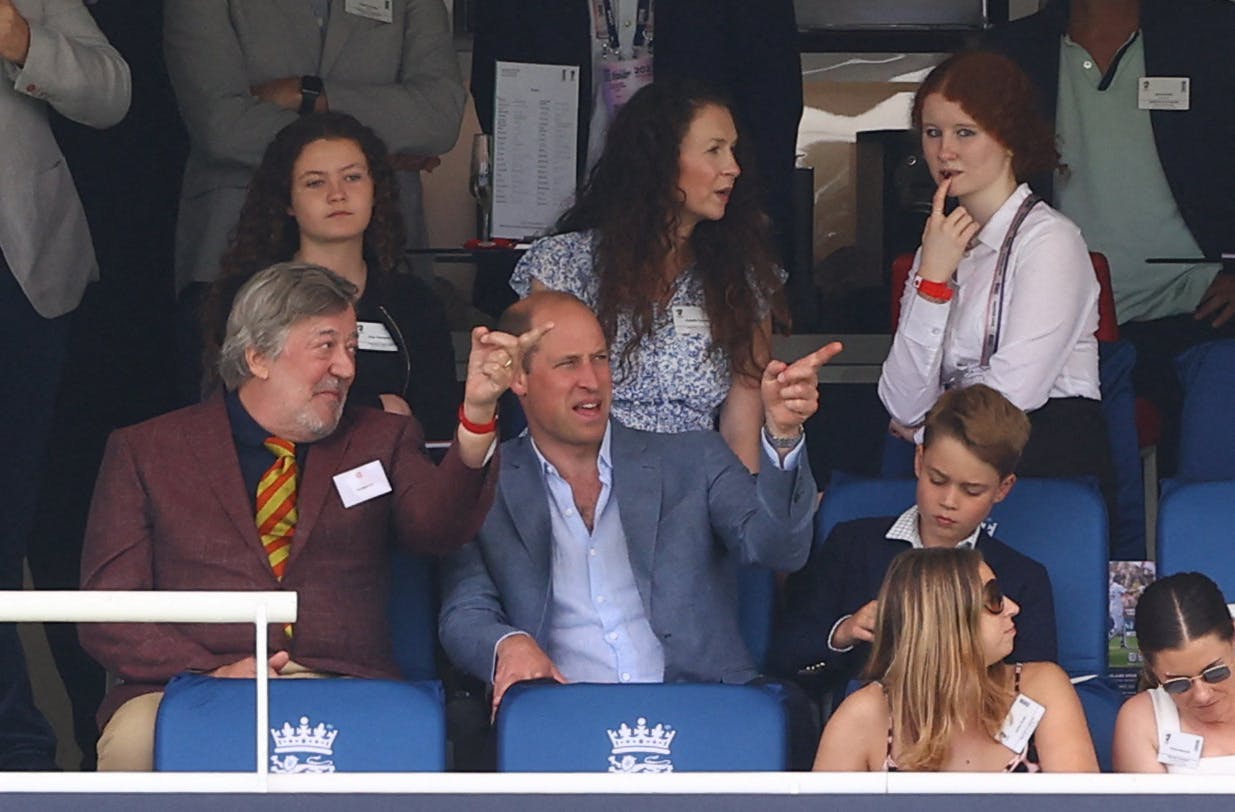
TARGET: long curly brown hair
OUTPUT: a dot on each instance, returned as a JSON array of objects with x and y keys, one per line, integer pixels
[
  {"x": 632, "y": 201},
  {"x": 266, "y": 233}
]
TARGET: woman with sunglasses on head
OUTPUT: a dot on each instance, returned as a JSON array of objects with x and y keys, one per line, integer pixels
[
  {"x": 942, "y": 698},
  {"x": 1185, "y": 723}
]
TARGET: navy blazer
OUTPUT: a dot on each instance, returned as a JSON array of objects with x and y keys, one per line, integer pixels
[
  {"x": 846, "y": 571},
  {"x": 1182, "y": 38},
  {"x": 690, "y": 511}
]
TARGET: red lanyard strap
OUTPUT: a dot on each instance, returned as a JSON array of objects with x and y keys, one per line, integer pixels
[{"x": 994, "y": 304}]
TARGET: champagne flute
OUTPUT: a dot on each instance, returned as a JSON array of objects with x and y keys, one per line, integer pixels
[{"x": 481, "y": 182}]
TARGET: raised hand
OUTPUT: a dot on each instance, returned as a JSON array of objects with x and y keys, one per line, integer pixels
[
  {"x": 14, "y": 34},
  {"x": 491, "y": 366},
  {"x": 791, "y": 391},
  {"x": 945, "y": 237},
  {"x": 857, "y": 628}
]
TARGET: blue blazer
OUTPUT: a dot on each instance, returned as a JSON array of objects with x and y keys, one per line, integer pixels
[
  {"x": 690, "y": 511},
  {"x": 846, "y": 571}
]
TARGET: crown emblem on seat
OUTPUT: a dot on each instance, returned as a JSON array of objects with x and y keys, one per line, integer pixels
[
  {"x": 641, "y": 748},
  {"x": 304, "y": 738}
]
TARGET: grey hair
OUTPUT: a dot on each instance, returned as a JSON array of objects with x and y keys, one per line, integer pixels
[{"x": 267, "y": 306}]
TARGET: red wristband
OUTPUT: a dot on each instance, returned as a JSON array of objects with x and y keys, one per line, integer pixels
[
  {"x": 477, "y": 428},
  {"x": 935, "y": 290}
]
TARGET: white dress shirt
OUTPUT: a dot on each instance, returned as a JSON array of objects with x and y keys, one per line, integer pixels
[{"x": 1047, "y": 347}]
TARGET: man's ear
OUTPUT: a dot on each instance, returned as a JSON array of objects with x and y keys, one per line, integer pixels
[
  {"x": 518, "y": 384},
  {"x": 1005, "y": 487},
  {"x": 917, "y": 460},
  {"x": 258, "y": 364}
]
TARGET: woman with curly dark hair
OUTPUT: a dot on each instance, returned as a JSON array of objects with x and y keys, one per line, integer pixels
[
  {"x": 325, "y": 193},
  {"x": 673, "y": 252},
  {"x": 1002, "y": 290}
]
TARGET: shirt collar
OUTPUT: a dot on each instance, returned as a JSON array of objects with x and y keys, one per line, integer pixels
[
  {"x": 245, "y": 430},
  {"x": 905, "y": 528},
  {"x": 604, "y": 462},
  {"x": 997, "y": 227}
]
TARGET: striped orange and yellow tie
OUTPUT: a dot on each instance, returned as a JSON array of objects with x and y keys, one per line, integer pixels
[{"x": 276, "y": 504}]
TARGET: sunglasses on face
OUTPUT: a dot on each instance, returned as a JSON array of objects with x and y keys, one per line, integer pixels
[
  {"x": 1212, "y": 675},
  {"x": 992, "y": 597}
]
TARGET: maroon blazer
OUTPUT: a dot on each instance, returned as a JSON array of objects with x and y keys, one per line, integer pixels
[{"x": 171, "y": 511}]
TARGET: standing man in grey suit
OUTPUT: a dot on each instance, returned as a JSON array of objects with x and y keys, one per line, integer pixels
[
  {"x": 51, "y": 55},
  {"x": 244, "y": 69},
  {"x": 609, "y": 553}
]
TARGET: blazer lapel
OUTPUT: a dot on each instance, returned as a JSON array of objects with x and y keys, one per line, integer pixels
[
  {"x": 338, "y": 30},
  {"x": 522, "y": 490},
  {"x": 325, "y": 459},
  {"x": 637, "y": 488},
  {"x": 210, "y": 443}
]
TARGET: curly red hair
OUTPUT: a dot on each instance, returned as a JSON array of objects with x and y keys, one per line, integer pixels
[{"x": 1001, "y": 99}]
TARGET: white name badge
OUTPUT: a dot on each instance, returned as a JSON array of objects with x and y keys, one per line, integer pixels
[
  {"x": 373, "y": 336},
  {"x": 1164, "y": 93},
  {"x": 362, "y": 484},
  {"x": 690, "y": 320},
  {"x": 1022, "y": 721},
  {"x": 370, "y": 9},
  {"x": 1181, "y": 750}
]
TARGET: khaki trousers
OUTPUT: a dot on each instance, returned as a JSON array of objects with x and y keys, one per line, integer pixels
[{"x": 127, "y": 743}]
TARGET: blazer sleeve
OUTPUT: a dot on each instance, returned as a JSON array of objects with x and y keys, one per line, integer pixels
[
  {"x": 765, "y": 519},
  {"x": 118, "y": 554},
  {"x": 833, "y": 583},
  {"x": 437, "y": 508},
  {"x": 472, "y": 620},
  {"x": 207, "y": 70},
  {"x": 1035, "y": 625},
  {"x": 72, "y": 67},
  {"x": 419, "y": 113}
]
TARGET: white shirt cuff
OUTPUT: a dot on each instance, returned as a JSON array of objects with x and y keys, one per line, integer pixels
[
  {"x": 790, "y": 462},
  {"x": 835, "y": 626}
]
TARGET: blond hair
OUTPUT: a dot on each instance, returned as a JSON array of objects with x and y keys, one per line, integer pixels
[{"x": 928, "y": 654}]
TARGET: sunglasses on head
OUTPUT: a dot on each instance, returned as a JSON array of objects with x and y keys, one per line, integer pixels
[
  {"x": 1181, "y": 685},
  {"x": 992, "y": 597}
]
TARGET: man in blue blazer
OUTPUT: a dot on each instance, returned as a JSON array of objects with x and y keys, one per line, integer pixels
[{"x": 609, "y": 553}]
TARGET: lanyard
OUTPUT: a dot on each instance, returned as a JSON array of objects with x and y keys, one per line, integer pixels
[
  {"x": 994, "y": 305},
  {"x": 607, "y": 28}
]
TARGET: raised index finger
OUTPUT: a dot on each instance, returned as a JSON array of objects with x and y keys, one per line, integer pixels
[
  {"x": 529, "y": 339},
  {"x": 941, "y": 196},
  {"x": 820, "y": 356}
]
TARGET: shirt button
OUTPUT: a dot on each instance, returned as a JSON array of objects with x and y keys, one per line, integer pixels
[
  {"x": 626, "y": 24},
  {"x": 591, "y": 551},
  {"x": 569, "y": 512},
  {"x": 625, "y": 677},
  {"x": 612, "y": 636},
  {"x": 1087, "y": 64},
  {"x": 32, "y": 89},
  {"x": 600, "y": 598}
]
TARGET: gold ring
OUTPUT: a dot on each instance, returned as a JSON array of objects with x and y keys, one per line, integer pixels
[{"x": 510, "y": 362}]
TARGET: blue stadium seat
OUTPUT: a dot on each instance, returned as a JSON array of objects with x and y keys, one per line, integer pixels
[
  {"x": 317, "y": 725},
  {"x": 1195, "y": 531},
  {"x": 412, "y": 610},
  {"x": 1101, "y": 702},
  {"x": 1059, "y": 523},
  {"x": 675, "y": 727},
  {"x": 1206, "y": 434}
]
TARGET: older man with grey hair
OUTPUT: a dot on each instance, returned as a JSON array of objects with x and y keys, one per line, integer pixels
[{"x": 272, "y": 485}]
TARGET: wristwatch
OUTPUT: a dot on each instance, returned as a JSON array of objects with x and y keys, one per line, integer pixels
[
  {"x": 782, "y": 443},
  {"x": 310, "y": 88}
]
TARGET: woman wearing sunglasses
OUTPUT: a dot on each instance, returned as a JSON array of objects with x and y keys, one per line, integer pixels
[
  {"x": 1185, "y": 723},
  {"x": 942, "y": 698}
]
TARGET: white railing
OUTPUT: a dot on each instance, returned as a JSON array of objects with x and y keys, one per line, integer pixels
[{"x": 146, "y": 606}]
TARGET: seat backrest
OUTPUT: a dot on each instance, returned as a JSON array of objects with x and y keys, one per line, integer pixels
[
  {"x": 205, "y": 724},
  {"x": 1108, "y": 323},
  {"x": 1101, "y": 702},
  {"x": 1195, "y": 531},
  {"x": 1206, "y": 433},
  {"x": 412, "y": 614},
  {"x": 674, "y": 727},
  {"x": 1059, "y": 523}
]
